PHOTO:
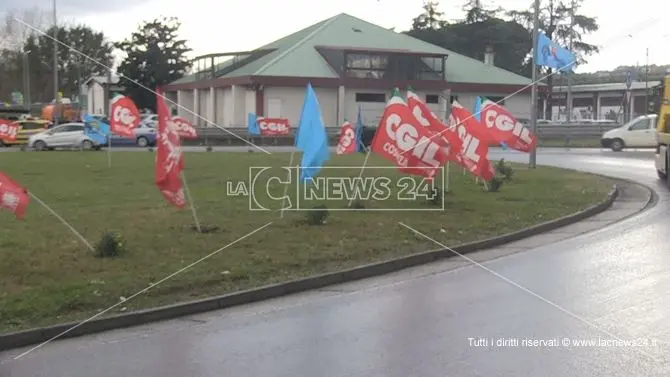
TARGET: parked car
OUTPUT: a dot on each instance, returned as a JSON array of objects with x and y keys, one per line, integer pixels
[
  {"x": 66, "y": 135},
  {"x": 149, "y": 118},
  {"x": 638, "y": 133},
  {"x": 145, "y": 136},
  {"x": 27, "y": 128}
]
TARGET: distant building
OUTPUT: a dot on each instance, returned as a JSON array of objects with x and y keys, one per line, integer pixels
[
  {"x": 351, "y": 64},
  {"x": 602, "y": 101},
  {"x": 95, "y": 93}
]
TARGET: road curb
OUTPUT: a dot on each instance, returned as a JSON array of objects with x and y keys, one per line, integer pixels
[{"x": 39, "y": 335}]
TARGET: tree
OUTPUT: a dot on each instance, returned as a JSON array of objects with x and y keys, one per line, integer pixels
[
  {"x": 155, "y": 56},
  {"x": 510, "y": 40},
  {"x": 430, "y": 19},
  {"x": 13, "y": 35},
  {"x": 560, "y": 22},
  {"x": 82, "y": 52},
  {"x": 475, "y": 11}
]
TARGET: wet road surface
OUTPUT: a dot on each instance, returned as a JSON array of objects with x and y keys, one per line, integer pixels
[{"x": 447, "y": 319}]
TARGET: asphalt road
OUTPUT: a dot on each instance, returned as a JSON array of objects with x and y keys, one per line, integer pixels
[{"x": 613, "y": 283}]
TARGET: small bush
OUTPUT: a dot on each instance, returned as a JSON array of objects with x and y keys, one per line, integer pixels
[
  {"x": 436, "y": 197},
  {"x": 317, "y": 216},
  {"x": 357, "y": 204},
  {"x": 495, "y": 184},
  {"x": 504, "y": 170},
  {"x": 110, "y": 245}
]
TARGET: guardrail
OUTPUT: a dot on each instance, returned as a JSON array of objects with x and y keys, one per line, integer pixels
[{"x": 550, "y": 133}]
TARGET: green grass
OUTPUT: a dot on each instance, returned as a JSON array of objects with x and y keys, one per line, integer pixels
[{"x": 47, "y": 276}]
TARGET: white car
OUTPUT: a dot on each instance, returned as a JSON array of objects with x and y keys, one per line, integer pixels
[
  {"x": 638, "y": 133},
  {"x": 66, "y": 135}
]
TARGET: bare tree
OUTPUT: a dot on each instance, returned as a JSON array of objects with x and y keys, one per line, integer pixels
[
  {"x": 14, "y": 32},
  {"x": 13, "y": 37}
]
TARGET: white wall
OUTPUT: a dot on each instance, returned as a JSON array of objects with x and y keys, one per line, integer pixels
[
  {"x": 291, "y": 100},
  {"x": 186, "y": 108},
  {"x": 96, "y": 98},
  {"x": 228, "y": 108},
  {"x": 203, "y": 100},
  {"x": 371, "y": 112},
  {"x": 219, "y": 104},
  {"x": 249, "y": 104}
]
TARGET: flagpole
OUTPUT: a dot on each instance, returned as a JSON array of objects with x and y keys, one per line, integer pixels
[
  {"x": 190, "y": 201},
  {"x": 569, "y": 97},
  {"x": 109, "y": 150},
  {"x": 288, "y": 180},
  {"x": 72, "y": 229},
  {"x": 533, "y": 96},
  {"x": 359, "y": 141},
  {"x": 446, "y": 184},
  {"x": 360, "y": 174},
  {"x": 110, "y": 115}
]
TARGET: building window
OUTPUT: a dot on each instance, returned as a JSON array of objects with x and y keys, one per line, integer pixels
[
  {"x": 367, "y": 61},
  {"x": 371, "y": 97},
  {"x": 499, "y": 100},
  {"x": 432, "y": 98},
  {"x": 453, "y": 98},
  {"x": 393, "y": 66}
]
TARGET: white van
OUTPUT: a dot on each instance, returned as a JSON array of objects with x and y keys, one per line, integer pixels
[{"x": 638, "y": 133}]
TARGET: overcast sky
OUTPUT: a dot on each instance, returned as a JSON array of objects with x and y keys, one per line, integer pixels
[{"x": 220, "y": 26}]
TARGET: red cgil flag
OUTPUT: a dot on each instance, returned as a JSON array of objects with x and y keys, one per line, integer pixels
[
  {"x": 169, "y": 158},
  {"x": 13, "y": 197},
  {"x": 125, "y": 117}
]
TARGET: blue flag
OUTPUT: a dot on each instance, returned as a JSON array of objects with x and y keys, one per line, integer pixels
[
  {"x": 311, "y": 137},
  {"x": 359, "y": 132},
  {"x": 252, "y": 124},
  {"x": 96, "y": 129},
  {"x": 97, "y": 125},
  {"x": 477, "y": 109},
  {"x": 551, "y": 55}
]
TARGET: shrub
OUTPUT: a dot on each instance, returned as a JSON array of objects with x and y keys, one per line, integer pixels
[
  {"x": 495, "y": 184},
  {"x": 110, "y": 245},
  {"x": 504, "y": 170},
  {"x": 436, "y": 197},
  {"x": 317, "y": 216}
]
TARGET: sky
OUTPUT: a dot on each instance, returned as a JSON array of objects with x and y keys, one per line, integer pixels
[{"x": 626, "y": 32}]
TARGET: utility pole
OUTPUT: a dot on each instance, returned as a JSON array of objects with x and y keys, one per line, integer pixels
[
  {"x": 56, "y": 110},
  {"x": 108, "y": 94},
  {"x": 646, "y": 82},
  {"x": 26, "y": 78},
  {"x": 572, "y": 26},
  {"x": 533, "y": 94}
]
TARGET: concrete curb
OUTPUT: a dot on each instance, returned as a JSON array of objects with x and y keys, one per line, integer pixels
[{"x": 39, "y": 335}]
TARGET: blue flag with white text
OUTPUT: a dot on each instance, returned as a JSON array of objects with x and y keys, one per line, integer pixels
[
  {"x": 551, "y": 55},
  {"x": 252, "y": 124},
  {"x": 311, "y": 137},
  {"x": 96, "y": 129}
]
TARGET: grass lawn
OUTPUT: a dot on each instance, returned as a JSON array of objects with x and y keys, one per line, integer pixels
[{"x": 47, "y": 276}]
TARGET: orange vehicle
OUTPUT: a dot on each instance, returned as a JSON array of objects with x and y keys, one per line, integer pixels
[{"x": 67, "y": 112}]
